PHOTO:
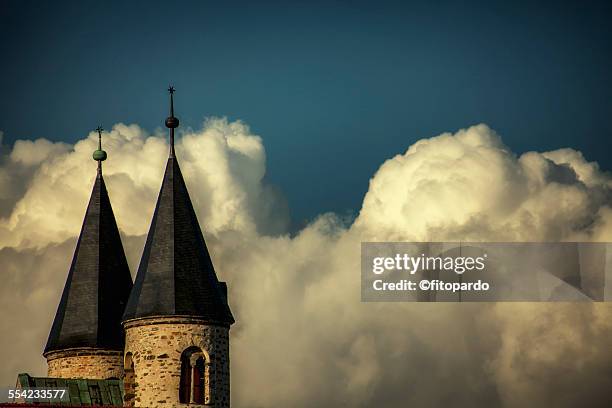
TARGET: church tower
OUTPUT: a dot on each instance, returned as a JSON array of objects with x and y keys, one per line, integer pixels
[
  {"x": 177, "y": 319},
  {"x": 86, "y": 339}
]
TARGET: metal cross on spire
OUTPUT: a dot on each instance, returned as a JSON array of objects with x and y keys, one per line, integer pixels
[
  {"x": 171, "y": 122},
  {"x": 99, "y": 155},
  {"x": 99, "y": 129}
]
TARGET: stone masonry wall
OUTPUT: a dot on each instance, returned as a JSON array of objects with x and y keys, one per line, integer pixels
[
  {"x": 85, "y": 363},
  {"x": 156, "y": 345}
]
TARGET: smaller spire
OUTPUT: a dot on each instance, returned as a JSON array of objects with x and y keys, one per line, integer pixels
[
  {"x": 99, "y": 155},
  {"x": 171, "y": 122}
]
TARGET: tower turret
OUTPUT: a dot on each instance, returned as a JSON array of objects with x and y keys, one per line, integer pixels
[
  {"x": 86, "y": 338},
  {"x": 177, "y": 319}
]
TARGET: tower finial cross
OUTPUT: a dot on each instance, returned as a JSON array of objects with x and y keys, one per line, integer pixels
[
  {"x": 99, "y": 155},
  {"x": 99, "y": 129},
  {"x": 171, "y": 121}
]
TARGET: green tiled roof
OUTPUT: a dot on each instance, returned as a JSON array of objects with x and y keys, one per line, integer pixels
[{"x": 82, "y": 392}]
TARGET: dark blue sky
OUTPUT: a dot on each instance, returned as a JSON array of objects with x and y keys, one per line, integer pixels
[{"x": 334, "y": 88}]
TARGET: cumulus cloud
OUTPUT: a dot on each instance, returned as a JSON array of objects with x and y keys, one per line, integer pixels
[
  {"x": 303, "y": 338},
  {"x": 223, "y": 165},
  {"x": 18, "y": 166},
  {"x": 470, "y": 186}
]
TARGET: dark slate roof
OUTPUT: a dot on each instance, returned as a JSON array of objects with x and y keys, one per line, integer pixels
[
  {"x": 80, "y": 392},
  {"x": 176, "y": 276},
  {"x": 98, "y": 284}
]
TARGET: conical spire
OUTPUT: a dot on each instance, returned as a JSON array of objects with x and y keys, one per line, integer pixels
[
  {"x": 99, "y": 280},
  {"x": 176, "y": 276}
]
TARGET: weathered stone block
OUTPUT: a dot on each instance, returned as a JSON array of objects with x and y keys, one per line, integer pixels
[{"x": 85, "y": 363}]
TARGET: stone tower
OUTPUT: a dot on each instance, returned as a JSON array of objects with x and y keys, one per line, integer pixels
[
  {"x": 86, "y": 339},
  {"x": 177, "y": 319}
]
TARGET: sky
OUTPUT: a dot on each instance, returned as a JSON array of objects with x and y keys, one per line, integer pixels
[
  {"x": 333, "y": 88},
  {"x": 425, "y": 121}
]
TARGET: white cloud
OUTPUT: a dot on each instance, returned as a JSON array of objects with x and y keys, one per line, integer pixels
[
  {"x": 303, "y": 338},
  {"x": 223, "y": 165},
  {"x": 469, "y": 186}
]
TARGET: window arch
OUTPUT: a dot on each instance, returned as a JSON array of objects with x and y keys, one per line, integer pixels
[{"x": 194, "y": 386}]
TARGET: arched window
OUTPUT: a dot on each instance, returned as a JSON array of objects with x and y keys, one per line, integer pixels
[
  {"x": 128, "y": 380},
  {"x": 194, "y": 387}
]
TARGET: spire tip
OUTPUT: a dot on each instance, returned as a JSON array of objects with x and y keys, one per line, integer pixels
[
  {"x": 99, "y": 155},
  {"x": 171, "y": 121}
]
